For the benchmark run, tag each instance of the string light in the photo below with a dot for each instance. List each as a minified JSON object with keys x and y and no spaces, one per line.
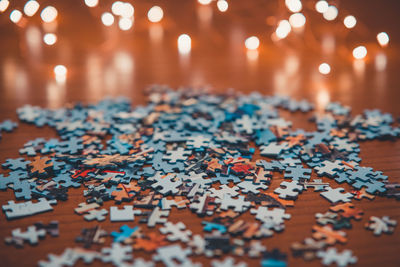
{"x":222,"y":5}
{"x":15,"y":16}
{"x":321,"y":6}
{"x":324,"y":68}
{"x":50,"y":38}
{"x":60,"y":72}
{"x":107,"y":18}
{"x":294,"y":5}
{"x":360,"y":52}
{"x":4,"y":5}
{"x":117,"y":8}
{"x":122,"y":9}
{"x":31,"y":7}
{"x":184,"y":44}
{"x":155,"y":14}
{"x":297,"y":20}
{"x":49,"y":14}
{"x":331,"y":13}
{"x":127,"y":10}
{"x":252,"y":43}
{"x":204,"y":2}
{"x":383,"y":38}
{"x":91,"y":3}
{"x":350,"y":22}
{"x":283,"y":29}
{"x":125,"y":23}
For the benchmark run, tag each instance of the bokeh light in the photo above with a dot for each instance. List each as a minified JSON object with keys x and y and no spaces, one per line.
{"x":60,"y":73}
{"x":125,"y":23}
{"x":127,"y":10}
{"x":283,"y":29}
{"x":297,"y":20}
{"x":117,"y":8}
{"x":184,"y":44}
{"x":50,"y":38}
{"x":350,"y":22}
{"x":60,"y":70}
{"x":31,"y":7}
{"x":49,"y":14}
{"x":4,"y":5}
{"x":91,"y":3}
{"x":107,"y":19}
{"x":321,"y":6}
{"x":360,"y":52}
{"x":15,"y":16}
{"x":252,"y":43}
{"x":222,"y":5}
{"x":155,"y":14}
{"x":331,"y":13}
{"x":324,"y":68}
{"x":383,"y":38}
{"x":205,"y":2}
{"x":294,"y":5}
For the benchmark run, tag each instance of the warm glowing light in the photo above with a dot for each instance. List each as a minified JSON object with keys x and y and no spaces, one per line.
{"x":91,"y":3}
{"x":383,"y":38}
{"x":360,"y":52}
{"x":331,"y":13}
{"x":283,"y":29}
{"x":107,"y":19}
{"x":297,"y":20}
{"x":117,"y":8}
{"x":50,"y":38}
{"x":4,"y":5}
{"x":380,"y":62}
{"x":323,"y":98}
{"x":350,"y":22}
{"x":222,"y":5}
{"x":205,"y":2}
{"x":31,"y":7}
{"x":156,"y":32}
{"x":252,"y":55}
{"x":127,"y":11}
{"x":15,"y":16}
{"x":294,"y":5}
{"x":125,"y":23}
{"x":321,"y":6}
{"x":60,"y":72}
{"x":252,"y":43}
{"x":184,"y":44}
{"x":49,"y":14}
{"x":155,"y":14}
{"x":34,"y":40}
{"x":324,"y":68}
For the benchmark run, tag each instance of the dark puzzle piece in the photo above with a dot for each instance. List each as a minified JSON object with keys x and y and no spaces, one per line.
{"x":90,"y":236}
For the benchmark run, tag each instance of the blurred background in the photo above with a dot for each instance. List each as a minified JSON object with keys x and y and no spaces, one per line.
{"x":54,"y":52}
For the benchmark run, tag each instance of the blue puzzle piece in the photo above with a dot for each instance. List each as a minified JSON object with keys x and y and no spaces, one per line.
{"x":124,"y":233}
{"x":8,"y":125}
{"x":16,"y":164}
{"x":210,"y":226}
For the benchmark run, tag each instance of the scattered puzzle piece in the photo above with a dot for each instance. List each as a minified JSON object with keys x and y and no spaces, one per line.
{"x":381,"y":225}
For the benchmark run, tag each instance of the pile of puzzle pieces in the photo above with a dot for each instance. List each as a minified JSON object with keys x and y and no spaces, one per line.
{"x":194,"y":150}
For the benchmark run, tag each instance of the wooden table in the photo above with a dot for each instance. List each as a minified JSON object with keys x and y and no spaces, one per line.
{"x":105,"y":61}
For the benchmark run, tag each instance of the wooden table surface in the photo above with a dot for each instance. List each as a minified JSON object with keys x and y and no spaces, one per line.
{"x":105,"y":61}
